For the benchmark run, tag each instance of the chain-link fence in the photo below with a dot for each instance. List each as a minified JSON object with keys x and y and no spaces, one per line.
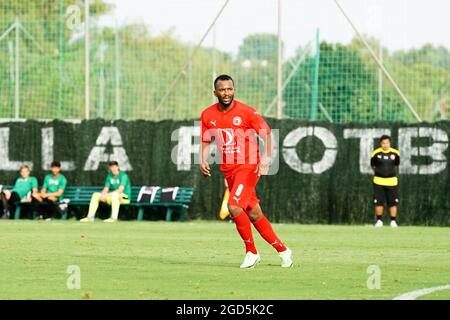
{"x":138,"y":72}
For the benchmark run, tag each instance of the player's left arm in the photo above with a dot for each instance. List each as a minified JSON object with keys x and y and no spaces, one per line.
{"x":264,"y":164}
{"x":34,"y":187}
{"x":56,"y":194}
{"x":60,"y":191}
{"x":258,"y":123}
{"x":397,"y":162}
{"x":119,"y":190}
{"x":123,"y":183}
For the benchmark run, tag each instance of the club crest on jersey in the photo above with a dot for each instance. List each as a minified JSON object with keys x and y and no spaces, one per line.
{"x":392,"y":156}
{"x":237,"y":121}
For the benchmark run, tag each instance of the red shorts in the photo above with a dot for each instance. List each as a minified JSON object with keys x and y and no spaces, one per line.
{"x":242,"y":185}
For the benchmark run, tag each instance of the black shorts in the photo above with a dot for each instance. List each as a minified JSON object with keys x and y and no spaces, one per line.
{"x":14,"y":198}
{"x":385,"y":194}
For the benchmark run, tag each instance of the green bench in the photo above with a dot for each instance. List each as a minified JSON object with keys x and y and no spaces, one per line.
{"x":81,"y":196}
{"x":181,"y":203}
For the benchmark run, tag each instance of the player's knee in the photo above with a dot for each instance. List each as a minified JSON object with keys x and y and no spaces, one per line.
{"x":254,"y":215}
{"x":115,"y":196}
{"x":234,"y":210}
{"x":96,"y":195}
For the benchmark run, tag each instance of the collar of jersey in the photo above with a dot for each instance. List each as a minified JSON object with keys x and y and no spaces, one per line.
{"x":382,"y":150}
{"x":232,"y":107}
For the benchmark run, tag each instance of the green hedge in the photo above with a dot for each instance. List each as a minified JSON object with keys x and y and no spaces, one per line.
{"x":341,"y":194}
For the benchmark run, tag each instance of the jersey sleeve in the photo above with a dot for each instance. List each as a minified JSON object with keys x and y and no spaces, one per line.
{"x":124,"y":180}
{"x":258,"y":123}
{"x":63,"y":183}
{"x":34,"y":183}
{"x":373,"y":161}
{"x":45,"y":184}
{"x":397,"y":160}
{"x":204,"y":130}
{"x":107,"y":182}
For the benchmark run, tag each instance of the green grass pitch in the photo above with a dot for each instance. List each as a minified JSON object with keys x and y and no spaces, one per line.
{"x":200,"y":260}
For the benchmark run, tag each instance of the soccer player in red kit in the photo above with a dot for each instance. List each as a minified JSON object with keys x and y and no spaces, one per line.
{"x":234,"y":126}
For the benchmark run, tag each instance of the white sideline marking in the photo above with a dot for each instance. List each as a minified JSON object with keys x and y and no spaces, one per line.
{"x":418,"y":293}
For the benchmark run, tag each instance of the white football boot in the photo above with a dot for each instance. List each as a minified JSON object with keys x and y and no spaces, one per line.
{"x":286,"y":258}
{"x":250,"y":260}
{"x":394,"y":224}
{"x":379,"y":224}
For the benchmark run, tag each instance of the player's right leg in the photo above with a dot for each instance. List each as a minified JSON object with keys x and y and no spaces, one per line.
{"x":264,"y":227}
{"x":5,"y":206}
{"x":243,"y":226}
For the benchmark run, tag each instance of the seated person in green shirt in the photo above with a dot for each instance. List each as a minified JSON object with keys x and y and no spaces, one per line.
{"x":24,"y":189}
{"x":117,"y":191}
{"x":47,"y":201}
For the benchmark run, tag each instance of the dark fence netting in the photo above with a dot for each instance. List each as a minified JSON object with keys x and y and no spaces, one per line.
{"x":320,"y":173}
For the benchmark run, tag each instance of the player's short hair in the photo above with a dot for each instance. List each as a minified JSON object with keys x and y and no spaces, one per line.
{"x":24,"y":166}
{"x":55,"y":163}
{"x":385,"y":137}
{"x":223,"y":77}
{"x":113,"y":163}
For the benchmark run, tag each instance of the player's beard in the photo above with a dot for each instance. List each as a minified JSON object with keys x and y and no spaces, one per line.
{"x":226,"y":105}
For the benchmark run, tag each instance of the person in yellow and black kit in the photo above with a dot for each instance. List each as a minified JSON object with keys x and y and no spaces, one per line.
{"x":385,"y":162}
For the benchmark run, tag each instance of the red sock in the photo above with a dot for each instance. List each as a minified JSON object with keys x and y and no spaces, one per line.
{"x":244,"y":227}
{"x":265,"y":230}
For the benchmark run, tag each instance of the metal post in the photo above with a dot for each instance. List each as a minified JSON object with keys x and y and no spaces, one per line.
{"x":279,"y":67}
{"x":190,"y":67}
{"x":60,"y":59}
{"x":214,"y":60}
{"x":101,"y":81}
{"x":380,"y":86}
{"x":117,"y":54}
{"x":17,"y":80}
{"x":292,"y":73}
{"x":315,"y":84}
{"x":86,"y":60}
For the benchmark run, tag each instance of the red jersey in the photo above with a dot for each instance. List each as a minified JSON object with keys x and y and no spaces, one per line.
{"x":234,"y":132}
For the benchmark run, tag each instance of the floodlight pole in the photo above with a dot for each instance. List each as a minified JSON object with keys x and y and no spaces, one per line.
{"x":380,"y":86}
{"x":214,"y":60}
{"x":86,"y":60}
{"x":117,"y":72}
{"x":17,"y":73}
{"x":280,"y":66}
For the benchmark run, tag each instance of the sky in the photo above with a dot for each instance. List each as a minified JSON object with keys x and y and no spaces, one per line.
{"x":398,"y":24}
